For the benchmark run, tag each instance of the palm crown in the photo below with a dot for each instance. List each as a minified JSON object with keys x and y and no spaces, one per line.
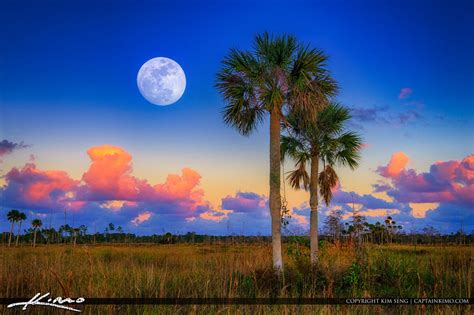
{"x":325,"y":136}
{"x":13,"y":215}
{"x":278,"y":72}
{"x":36,"y":223}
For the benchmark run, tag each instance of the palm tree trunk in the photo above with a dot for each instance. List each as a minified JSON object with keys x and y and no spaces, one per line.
{"x":34,"y":239}
{"x":10,"y":237}
{"x":18,"y":235}
{"x":275,"y":198}
{"x":313,"y":203}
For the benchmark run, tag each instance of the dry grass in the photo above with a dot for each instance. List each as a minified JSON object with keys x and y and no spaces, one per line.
{"x":236,"y":271}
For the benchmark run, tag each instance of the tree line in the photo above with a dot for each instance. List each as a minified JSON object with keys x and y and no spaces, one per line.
{"x":358,"y":229}
{"x":334,"y":230}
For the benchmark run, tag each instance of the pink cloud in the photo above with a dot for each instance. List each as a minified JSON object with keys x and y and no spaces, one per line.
{"x":110,"y":178}
{"x":142,"y":217}
{"x":109,"y":175}
{"x":244,"y":202}
{"x":109,"y":184}
{"x":32,"y":187}
{"x":178,"y":187}
{"x":299,"y":218}
{"x":397,"y":163}
{"x":116,"y":205}
{"x":449,"y":181}
{"x":405,"y":93}
{"x":216,"y":216}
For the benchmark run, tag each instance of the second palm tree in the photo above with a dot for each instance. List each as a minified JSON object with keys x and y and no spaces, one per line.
{"x":311,"y":141}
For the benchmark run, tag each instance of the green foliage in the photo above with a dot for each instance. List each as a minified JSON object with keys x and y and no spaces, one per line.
{"x":247,"y":287}
{"x":13,"y":215}
{"x":36,"y":223}
{"x":294,"y":250}
{"x":279,"y":72}
{"x":323,"y":138}
{"x":322,"y":244}
{"x":353,"y":277}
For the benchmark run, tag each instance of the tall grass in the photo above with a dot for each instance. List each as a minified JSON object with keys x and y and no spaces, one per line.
{"x":236,"y":271}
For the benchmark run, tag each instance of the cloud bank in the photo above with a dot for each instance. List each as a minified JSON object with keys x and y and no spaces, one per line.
{"x":106,"y":188}
{"x":109,"y":192}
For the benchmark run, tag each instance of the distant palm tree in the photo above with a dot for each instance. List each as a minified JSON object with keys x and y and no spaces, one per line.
{"x":12,"y":216}
{"x":322,"y":139}
{"x":36,"y":224}
{"x":21,"y":217}
{"x":279,"y":74}
{"x":168,"y":237}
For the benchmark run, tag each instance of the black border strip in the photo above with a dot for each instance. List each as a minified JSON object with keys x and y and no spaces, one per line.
{"x":260,"y":301}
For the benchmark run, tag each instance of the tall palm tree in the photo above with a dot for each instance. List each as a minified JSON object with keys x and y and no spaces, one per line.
{"x":279,"y":74}
{"x":12,"y":216}
{"x":21,"y":217}
{"x":36,"y":224}
{"x":325,"y":140}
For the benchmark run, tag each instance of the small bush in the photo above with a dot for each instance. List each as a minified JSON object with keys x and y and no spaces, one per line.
{"x":353,"y":276}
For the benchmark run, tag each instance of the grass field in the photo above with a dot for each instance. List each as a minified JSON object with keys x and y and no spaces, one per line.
{"x":237,"y":271}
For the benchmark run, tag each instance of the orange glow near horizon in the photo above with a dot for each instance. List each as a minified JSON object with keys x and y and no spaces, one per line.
{"x":419,"y":209}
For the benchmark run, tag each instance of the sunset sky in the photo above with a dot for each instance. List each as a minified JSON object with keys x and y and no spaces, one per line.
{"x":76,"y":135}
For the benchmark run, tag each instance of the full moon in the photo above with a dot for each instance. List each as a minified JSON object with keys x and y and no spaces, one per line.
{"x":161,"y":81}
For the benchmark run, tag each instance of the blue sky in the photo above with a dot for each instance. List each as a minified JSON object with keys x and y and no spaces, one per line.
{"x":68,"y":83}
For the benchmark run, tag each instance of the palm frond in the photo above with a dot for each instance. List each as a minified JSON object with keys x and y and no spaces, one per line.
{"x":242,"y":117}
{"x":311,"y":83}
{"x":299,"y":177}
{"x":238,"y":82}
{"x":276,"y":51}
{"x":328,"y":180}
{"x":349,"y":155}
{"x":293,"y":148}
{"x":13,"y":215}
{"x":331,"y":120}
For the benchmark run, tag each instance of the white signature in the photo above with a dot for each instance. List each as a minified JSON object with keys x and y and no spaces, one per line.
{"x":57,"y":302}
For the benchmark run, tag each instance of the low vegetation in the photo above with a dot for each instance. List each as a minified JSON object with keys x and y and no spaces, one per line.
{"x":238,"y":270}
